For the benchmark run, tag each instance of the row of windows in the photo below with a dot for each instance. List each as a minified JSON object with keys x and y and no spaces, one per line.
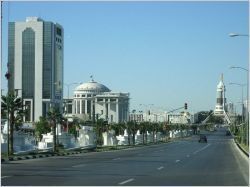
{"x":28,"y":66}
{"x":47,"y":60}
{"x":58,"y":40}
{"x":59,"y":47}
{"x":88,"y":95}
{"x":99,"y":99}
{"x":59,"y":31}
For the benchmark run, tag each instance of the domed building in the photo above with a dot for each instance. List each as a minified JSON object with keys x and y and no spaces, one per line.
{"x":92,"y":101}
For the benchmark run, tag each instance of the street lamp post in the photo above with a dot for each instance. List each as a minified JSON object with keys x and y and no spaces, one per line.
{"x":242,"y":100}
{"x":247,"y":116}
{"x":247,"y":70}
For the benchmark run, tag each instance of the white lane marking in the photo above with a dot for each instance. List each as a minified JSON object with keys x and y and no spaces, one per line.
{"x":160,"y":168}
{"x":188,"y":155}
{"x":126,"y":181}
{"x":116,"y":158}
{"x":78,"y":166}
{"x":201,"y":149}
{"x":5,"y":177}
{"x":177,"y":161}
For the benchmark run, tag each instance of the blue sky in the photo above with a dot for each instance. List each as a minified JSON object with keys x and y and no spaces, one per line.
{"x":162,"y":53}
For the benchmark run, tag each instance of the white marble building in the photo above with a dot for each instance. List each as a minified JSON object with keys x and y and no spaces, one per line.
{"x":181,"y":118}
{"x":93,"y":101}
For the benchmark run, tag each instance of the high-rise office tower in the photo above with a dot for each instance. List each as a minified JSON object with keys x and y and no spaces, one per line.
{"x":35,"y":64}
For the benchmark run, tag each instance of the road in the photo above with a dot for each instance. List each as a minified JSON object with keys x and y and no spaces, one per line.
{"x":180,"y":163}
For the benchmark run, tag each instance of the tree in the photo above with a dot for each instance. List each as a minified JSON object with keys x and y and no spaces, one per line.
{"x":132,"y":129}
{"x":41,"y":127}
{"x":155,"y":129}
{"x":54,"y":116}
{"x":12,"y":107}
{"x":99,"y":127}
{"x":164,"y":129}
{"x":203,"y":115}
{"x":73,"y":126}
{"x":143,"y":130}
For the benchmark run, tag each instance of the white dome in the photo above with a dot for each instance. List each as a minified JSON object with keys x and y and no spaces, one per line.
{"x":92,"y":86}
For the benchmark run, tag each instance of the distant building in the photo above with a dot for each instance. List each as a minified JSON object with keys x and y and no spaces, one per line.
{"x":230,"y":108}
{"x":35,"y":64}
{"x":181,"y":118}
{"x":136,"y":117}
{"x":94,"y":101}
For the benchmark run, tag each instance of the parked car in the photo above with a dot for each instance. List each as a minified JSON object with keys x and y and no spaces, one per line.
{"x":203,"y":138}
{"x":228,"y":133}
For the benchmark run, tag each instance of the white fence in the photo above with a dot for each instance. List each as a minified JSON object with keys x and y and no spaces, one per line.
{"x":85,"y":138}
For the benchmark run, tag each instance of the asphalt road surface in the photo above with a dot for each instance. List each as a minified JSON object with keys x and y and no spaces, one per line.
{"x":180,"y":163}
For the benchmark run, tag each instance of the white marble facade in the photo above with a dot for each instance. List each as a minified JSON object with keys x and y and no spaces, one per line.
{"x":94,"y":101}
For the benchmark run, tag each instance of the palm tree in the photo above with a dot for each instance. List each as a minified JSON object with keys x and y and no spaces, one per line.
{"x":132,"y":129}
{"x":54,"y":116}
{"x":155,"y":128}
{"x":73,"y":126}
{"x":143,"y":130}
{"x":14,"y":108}
{"x":100,"y":126}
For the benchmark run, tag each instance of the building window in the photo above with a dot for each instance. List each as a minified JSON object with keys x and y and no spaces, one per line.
{"x":99,"y":99}
{"x":28,"y":109}
{"x":70,"y":109}
{"x":59,"y":31}
{"x":83,"y":106}
{"x":88,"y":107}
{"x":28,"y":65}
{"x":78,"y":107}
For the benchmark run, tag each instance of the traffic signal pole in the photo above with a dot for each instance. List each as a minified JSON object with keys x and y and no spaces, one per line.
{"x":185,"y":107}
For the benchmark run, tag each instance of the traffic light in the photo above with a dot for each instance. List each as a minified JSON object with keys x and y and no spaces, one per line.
{"x":185,"y":106}
{"x":149,"y":112}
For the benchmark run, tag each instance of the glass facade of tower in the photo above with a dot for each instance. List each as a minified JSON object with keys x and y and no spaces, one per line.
{"x":47,"y":59}
{"x":35,"y":64}
{"x":58,"y":63}
{"x":28,"y":63}
{"x":11,"y":56}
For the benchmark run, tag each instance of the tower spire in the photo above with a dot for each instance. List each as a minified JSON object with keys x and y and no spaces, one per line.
{"x":221,"y":77}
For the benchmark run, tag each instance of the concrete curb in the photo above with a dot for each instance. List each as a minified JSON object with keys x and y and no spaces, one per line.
{"x":26,"y":157}
{"x":245,"y":152}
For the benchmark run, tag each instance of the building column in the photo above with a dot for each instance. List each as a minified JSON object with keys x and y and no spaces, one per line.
{"x":75,"y":105}
{"x":109,"y":116}
{"x":80,"y":106}
{"x":117,"y":110}
{"x":86,"y":102}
